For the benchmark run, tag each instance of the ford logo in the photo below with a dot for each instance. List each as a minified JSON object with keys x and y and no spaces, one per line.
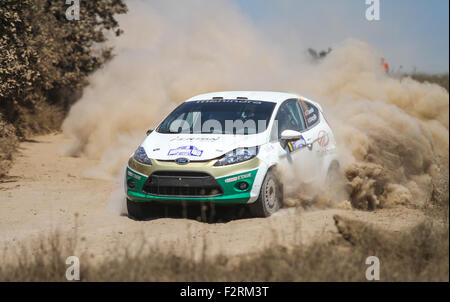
{"x":182,"y":160}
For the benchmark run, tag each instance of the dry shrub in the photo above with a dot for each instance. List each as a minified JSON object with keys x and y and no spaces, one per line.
{"x":45,"y":61}
{"x":420,"y":254}
{"x":8,"y":143}
{"x":44,"y":259}
{"x":440,"y":79}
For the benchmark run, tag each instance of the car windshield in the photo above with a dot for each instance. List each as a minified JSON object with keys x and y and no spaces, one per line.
{"x":219,"y":117}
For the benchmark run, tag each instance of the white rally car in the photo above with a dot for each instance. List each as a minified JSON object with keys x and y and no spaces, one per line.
{"x":231,"y":148}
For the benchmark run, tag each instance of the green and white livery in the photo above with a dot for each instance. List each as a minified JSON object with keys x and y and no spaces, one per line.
{"x":230,"y":148}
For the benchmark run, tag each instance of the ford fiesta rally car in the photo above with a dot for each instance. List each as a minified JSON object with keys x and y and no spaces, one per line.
{"x":229,"y":148}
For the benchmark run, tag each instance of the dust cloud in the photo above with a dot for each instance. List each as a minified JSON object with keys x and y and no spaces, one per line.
{"x":392,"y":133}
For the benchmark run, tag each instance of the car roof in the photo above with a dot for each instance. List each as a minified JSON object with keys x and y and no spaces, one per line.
{"x":267,"y":96}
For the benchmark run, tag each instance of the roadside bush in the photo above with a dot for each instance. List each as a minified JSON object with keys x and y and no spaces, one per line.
{"x":45,"y":59}
{"x":420,"y":254}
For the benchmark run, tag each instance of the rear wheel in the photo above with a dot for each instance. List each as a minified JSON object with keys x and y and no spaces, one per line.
{"x":270,"y":196}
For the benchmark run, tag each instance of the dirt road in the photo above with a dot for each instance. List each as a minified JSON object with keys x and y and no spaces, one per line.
{"x":46,"y":191}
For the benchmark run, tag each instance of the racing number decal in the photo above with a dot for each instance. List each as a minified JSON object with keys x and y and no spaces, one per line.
{"x":323,"y":139}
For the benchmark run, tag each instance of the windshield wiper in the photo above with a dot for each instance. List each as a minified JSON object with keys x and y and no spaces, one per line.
{"x":168,"y":131}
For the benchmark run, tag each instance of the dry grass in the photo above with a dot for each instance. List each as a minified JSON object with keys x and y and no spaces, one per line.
{"x":421,"y":254}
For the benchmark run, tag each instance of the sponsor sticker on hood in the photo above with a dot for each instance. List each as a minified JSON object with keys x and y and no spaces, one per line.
{"x":186,"y":151}
{"x":197,"y":147}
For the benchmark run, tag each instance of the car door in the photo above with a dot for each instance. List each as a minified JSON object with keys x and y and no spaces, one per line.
{"x":319,"y":137}
{"x":295,"y":157}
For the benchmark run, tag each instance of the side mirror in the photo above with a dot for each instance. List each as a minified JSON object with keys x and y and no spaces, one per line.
{"x":149,"y":131}
{"x":290,"y":135}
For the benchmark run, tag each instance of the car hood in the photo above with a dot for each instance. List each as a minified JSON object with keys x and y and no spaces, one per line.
{"x":197,"y":147}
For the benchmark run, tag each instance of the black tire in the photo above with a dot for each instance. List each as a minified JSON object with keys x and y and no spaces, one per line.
{"x":269,"y":199}
{"x":136,"y":210}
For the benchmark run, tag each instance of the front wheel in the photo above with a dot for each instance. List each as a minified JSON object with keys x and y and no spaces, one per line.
{"x":270,"y":196}
{"x":136,"y":210}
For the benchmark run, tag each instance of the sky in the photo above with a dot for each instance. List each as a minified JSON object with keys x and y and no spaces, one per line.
{"x":411,"y":34}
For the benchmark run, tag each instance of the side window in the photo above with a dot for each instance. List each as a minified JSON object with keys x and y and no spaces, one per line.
{"x":301,"y":118}
{"x":289,"y":117}
{"x":311,"y":113}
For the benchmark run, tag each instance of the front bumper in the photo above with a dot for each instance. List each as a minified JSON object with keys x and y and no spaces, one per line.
{"x":226,"y":177}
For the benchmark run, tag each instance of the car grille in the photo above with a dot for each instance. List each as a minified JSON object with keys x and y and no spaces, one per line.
{"x":182,"y":183}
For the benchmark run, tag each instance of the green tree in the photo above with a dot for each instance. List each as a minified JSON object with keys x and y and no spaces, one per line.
{"x":45,"y":59}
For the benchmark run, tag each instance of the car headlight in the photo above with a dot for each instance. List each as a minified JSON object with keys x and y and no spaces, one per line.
{"x":237,"y":155}
{"x":141,"y":156}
